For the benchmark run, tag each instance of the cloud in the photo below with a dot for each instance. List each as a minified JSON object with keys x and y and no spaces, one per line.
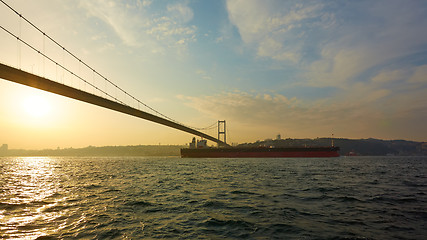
{"x":117,"y":16}
{"x":144,"y":3}
{"x":274,"y":28}
{"x":384,"y":37}
{"x":272,"y":112}
{"x":219,"y":39}
{"x":138,"y":24}
{"x":255,"y":19}
{"x":203,"y":74}
{"x":274,"y":49}
{"x":333,"y":44}
{"x":338,"y":67}
{"x":420,"y":75}
{"x":389,"y":76}
{"x":181,"y":12}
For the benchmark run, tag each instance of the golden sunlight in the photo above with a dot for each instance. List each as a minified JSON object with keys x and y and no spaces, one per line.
{"x":36,"y":106}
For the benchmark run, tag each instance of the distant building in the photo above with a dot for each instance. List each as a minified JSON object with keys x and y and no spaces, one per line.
{"x":3,"y":149}
{"x":278,"y":137}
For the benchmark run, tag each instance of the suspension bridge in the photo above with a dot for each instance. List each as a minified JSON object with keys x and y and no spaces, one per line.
{"x":98,"y":96}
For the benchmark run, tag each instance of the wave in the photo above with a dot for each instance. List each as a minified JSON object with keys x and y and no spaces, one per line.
{"x":13,"y":206}
{"x":347,"y":199}
{"x":384,"y":199}
{"x":243,"y":192}
{"x":228,"y":228}
{"x":213,"y":204}
{"x":111,"y":191}
{"x":139,"y":203}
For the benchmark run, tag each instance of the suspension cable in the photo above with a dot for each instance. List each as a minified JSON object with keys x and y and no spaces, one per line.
{"x":58,"y":64}
{"x":89,"y":67}
{"x":85,"y":64}
{"x":214,"y":125}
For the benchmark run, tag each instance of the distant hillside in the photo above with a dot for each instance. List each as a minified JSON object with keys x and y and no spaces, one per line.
{"x":139,"y":150}
{"x":365,"y":147}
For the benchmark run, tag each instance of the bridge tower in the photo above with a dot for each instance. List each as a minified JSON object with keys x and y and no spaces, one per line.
{"x":221,"y":131}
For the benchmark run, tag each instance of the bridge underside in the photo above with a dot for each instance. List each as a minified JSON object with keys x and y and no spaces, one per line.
{"x":31,"y":80}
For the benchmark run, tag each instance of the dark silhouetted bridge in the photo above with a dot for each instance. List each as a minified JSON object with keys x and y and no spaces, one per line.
{"x":15,"y":74}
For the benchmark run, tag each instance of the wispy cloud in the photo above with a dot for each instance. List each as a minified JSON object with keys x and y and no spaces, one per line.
{"x":118,"y":16}
{"x":181,"y":12}
{"x":334,"y":43}
{"x":274,"y":112}
{"x":374,"y":53}
{"x":203,"y":74}
{"x":138,"y":24}
{"x":272,"y":29}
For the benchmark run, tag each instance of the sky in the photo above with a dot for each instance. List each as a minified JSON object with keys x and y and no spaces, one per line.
{"x":301,"y":69}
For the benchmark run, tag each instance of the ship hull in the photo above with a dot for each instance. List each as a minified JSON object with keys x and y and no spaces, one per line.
{"x":299,"y":152}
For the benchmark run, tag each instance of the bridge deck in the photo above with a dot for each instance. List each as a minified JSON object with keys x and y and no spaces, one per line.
{"x":31,"y":80}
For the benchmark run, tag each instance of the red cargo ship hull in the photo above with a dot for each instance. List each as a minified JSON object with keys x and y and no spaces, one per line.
{"x":295,"y":152}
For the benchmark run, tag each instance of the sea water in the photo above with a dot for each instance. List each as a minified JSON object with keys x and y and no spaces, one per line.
{"x":152,"y":197}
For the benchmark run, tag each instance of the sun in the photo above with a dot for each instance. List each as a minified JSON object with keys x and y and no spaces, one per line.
{"x":36,"y":106}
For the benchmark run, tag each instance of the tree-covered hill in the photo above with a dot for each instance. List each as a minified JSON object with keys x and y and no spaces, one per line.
{"x":366,"y":147}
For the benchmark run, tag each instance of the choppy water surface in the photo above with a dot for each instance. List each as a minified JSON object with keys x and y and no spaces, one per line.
{"x":354,"y":198}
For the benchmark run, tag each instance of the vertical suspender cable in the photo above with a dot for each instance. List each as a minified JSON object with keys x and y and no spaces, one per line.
{"x":19,"y":44}
{"x":44,"y":52}
{"x":117,"y":88}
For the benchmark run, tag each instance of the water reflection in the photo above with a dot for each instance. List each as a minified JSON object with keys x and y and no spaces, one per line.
{"x":28,"y":186}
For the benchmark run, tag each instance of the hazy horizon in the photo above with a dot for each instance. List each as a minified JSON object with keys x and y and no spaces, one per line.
{"x":184,"y":144}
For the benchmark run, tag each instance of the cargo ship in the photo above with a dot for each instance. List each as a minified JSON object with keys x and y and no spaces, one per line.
{"x":200,"y":149}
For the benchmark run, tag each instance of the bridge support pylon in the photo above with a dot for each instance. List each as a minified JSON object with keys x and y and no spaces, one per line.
{"x":222,"y":132}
